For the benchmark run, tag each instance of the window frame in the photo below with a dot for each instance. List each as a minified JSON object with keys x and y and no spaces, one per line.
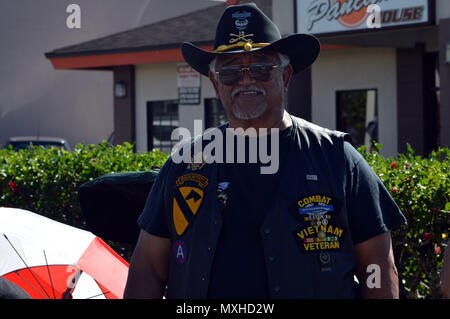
{"x":151,"y":126}
{"x":339,"y":109}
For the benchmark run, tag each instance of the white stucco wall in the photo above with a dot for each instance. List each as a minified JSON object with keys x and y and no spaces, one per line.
{"x":283,"y":16}
{"x":352,"y":69}
{"x":158,"y":81}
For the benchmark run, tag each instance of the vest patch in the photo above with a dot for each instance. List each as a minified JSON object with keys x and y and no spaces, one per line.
{"x":314,"y":201}
{"x":318,"y":233}
{"x":187,"y":198}
{"x":201,"y":180}
{"x":319,"y":238}
{"x":197,"y":162}
{"x":180,"y":251}
{"x":315,"y":209}
{"x":222,"y":194}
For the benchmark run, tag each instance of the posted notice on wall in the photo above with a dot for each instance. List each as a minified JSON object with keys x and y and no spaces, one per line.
{"x":188,"y":82}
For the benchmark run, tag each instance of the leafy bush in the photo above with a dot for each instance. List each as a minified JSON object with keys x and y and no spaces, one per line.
{"x":45,"y":181}
{"x":421,"y":188}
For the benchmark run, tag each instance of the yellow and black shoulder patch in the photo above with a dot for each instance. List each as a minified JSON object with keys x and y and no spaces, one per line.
{"x":187,"y":199}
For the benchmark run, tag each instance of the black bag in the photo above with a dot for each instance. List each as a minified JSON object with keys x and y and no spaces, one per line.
{"x":112,"y":203}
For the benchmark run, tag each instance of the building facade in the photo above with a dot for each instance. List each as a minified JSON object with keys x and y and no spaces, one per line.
{"x":389,"y":84}
{"x":35,"y":99}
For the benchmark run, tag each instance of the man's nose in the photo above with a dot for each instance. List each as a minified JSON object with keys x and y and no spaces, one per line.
{"x":246,"y":77}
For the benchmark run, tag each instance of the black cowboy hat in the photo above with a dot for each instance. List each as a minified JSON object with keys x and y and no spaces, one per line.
{"x":245,"y":28}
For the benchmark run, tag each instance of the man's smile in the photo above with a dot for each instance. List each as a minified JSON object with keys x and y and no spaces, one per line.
{"x":245,"y":92}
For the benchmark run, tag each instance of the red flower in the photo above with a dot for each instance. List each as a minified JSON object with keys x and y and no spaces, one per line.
{"x":394,"y":190}
{"x":393,"y":165}
{"x":13,"y":187}
{"x":428,"y":236}
{"x":437,"y":250}
{"x":436,"y":209}
{"x":408,"y":179}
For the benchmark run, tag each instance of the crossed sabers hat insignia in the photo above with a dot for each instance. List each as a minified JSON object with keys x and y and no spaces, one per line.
{"x":241,"y":36}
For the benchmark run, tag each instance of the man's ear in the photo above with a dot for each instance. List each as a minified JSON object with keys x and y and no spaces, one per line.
{"x":287,"y":75}
{"x":213,"y":80}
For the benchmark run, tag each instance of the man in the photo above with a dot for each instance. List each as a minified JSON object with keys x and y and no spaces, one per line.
{"x":224,"y":230}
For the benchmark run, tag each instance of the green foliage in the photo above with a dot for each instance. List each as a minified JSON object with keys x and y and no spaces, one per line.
{"x":45,"y":180}
{"x":421,"y":188}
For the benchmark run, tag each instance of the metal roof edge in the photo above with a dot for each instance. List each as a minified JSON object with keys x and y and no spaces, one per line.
{"x":52,"y":54}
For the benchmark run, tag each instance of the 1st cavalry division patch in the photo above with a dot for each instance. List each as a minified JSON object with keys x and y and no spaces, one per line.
{"x":187,"y":199}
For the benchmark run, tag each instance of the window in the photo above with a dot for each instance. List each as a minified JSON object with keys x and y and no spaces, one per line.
{"x":162,"y":119}
{"x":215,"y":114}
{"x":357,"y":114}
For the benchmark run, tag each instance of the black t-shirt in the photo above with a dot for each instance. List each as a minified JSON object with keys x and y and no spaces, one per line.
{"x":238,"y":269}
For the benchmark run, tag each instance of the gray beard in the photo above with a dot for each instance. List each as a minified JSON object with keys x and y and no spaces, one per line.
{"x":249,"y":114}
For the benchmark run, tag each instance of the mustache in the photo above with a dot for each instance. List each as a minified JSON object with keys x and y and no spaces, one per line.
{"x":241,"y":88}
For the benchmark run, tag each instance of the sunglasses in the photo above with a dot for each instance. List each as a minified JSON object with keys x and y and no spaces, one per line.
{"x":229,"y":75}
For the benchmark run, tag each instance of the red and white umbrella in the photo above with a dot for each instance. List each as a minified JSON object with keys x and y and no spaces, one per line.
{"x":51,"y":260}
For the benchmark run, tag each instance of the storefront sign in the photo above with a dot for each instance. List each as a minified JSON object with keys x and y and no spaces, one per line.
{"x":332,"y":16}
{"x":188,"y":82}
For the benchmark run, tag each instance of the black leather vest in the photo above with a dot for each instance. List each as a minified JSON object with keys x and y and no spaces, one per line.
{"x":306,"y":237}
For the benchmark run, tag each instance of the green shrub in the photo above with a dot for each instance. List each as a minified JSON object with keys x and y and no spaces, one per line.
{"x":421,"y":188}
{"x":45,"y":181}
